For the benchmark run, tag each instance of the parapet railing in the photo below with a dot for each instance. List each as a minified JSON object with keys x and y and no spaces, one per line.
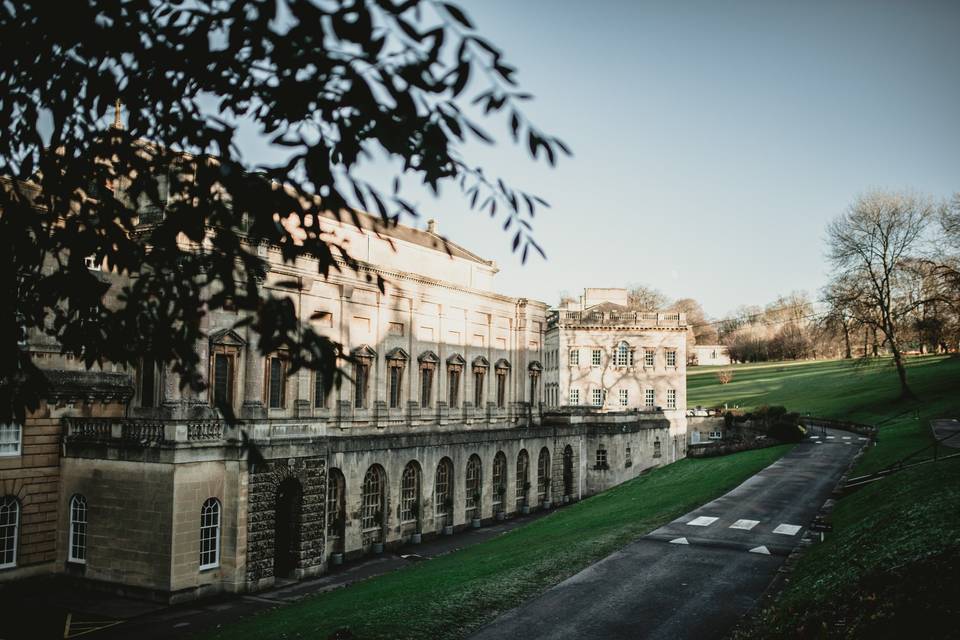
{"x":632,"y":318}
{"x":143,"y":431}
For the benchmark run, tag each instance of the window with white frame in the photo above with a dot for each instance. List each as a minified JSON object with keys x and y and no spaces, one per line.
{"x":9,"y":530}
{"x":574,"y":356}
{"x":78,"y":530}
{"x":648,"y":357}
{"x":716,"y":435}
{"x":574,"y":396}
{"x":649,"y":398}
{"x":10,"y":437}
{"x":597,"y":397}
{"x":595,"y":358}
{"x":623,"y":396}
{"x":671,"y":398}
{"x":671,"y":358}
{"x":210,"y":534}
{"x":622,"y":358}
{"x":601,"y":458}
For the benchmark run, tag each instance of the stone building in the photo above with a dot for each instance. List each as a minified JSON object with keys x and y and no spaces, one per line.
{"x":445,"y":421}
{"x":601,"y":354}
{"x":710,"y":354}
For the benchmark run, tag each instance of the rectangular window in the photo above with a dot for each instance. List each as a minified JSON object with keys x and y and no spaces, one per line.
{"x":574,"y":356}
{"x":602,"y":458}
{"x":671,"y":398}
{"x":276,"y":383}
{"x":574,"y":396}
{"x":648,"y":357}
{"x":396,"y":380}
{"x":656,"y":449}
{"x":454,"y":381}
{"x":148,"y":382}
{"x":426,"y":386}
{"x":501,"y":389}
{"x":319,"y":393}
{"x":624,"y":397}
{"x":395,"y":329}
{"x":478,"y":397}
{"x":595,"y":358}
{"x":671,"y":358}
{"x":10,"y":437}
{"x":597,"y":397}
{"x":649,"y":398}
{"x":361,"y":378}
{"x":628,"y":458}
{"x":221,"y":379}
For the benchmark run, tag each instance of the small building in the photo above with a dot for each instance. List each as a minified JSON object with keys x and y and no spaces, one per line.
{"x":704,"y":354}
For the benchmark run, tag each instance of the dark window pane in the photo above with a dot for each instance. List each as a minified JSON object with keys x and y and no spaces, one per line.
{"x":319,"y":395}
{"x":147,"y":383}
{"x":276,"y":383}
{"x":221,"y":379}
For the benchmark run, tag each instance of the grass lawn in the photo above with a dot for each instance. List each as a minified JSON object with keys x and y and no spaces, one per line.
{"x":889,"y":569}
{"x":449,"y":596}
{"x":844,"y":389}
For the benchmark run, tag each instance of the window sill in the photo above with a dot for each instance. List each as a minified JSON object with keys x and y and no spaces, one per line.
{"x":209,"y":567}
{"x":11,"y":455}
{"x":81,"y":563}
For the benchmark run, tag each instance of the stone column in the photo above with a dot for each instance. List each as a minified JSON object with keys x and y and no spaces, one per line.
{"x":253,"y":386}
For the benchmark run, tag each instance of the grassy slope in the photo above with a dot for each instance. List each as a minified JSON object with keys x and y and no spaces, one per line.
{"x":451,"y":595}
{"x":889,"y":569}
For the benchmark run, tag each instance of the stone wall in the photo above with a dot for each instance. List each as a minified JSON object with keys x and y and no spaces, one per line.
{"x":264,"y":483}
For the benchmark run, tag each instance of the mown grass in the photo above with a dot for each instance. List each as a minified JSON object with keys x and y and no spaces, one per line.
{"x":451,"y":595}
{"x":889,"y":569}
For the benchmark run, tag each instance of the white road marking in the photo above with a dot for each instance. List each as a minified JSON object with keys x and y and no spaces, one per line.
{"x":861,"y":438}
{"x":846,"y":437}
{"x":787,"y":529}
{"x":819,"y":442}
{"x":702,"y":521}
{"x":679,"y":541}
{"x":761,"y":549}
{"x":814,"y":437}
{"x":831,"y":437}
{"x":745,"y":525}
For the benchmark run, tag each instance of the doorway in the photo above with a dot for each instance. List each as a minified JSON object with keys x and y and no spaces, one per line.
{"x":286,"y":535}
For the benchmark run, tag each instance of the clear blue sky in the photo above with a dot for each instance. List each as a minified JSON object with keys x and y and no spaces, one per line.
{"x":713,"y":140}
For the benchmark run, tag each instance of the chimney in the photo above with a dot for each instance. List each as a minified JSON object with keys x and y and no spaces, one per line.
{"x":432,"y":226}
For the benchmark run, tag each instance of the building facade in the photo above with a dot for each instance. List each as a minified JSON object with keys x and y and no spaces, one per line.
{"x":710,"y":354}
{"x":444,"y":420}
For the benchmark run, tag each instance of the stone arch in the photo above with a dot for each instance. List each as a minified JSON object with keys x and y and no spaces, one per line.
{"x":443,"y":491}
{"x":523,"y":478}
{"x":568,"y":488}
{"x":473,"y":483}
{"x":499,"y":477}
{"x":410,"y":504}
{"x":543,"y":475}
{"x":336,"y":509}
{"x":373,"y":504}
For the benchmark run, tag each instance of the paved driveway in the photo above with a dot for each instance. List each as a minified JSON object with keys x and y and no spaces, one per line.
{"x":696,"y":576}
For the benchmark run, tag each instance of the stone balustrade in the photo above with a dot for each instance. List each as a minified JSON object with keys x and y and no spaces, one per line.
{"x":616,"y":318}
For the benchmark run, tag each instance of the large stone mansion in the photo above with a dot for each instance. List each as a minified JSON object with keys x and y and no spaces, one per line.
{"x":464,"y":405}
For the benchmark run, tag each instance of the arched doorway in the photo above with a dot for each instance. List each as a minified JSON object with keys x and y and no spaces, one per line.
{"x":543,"y":475}
{"x":286,"y":533}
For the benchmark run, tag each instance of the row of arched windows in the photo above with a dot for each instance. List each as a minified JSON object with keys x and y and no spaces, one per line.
{"x":373,"y":499}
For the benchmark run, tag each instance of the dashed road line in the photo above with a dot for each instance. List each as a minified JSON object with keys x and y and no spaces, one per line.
{"x":702,"y":521}
{"x":831,"y":437}
{"x":787,"y":529}
{"x":744,"y":525}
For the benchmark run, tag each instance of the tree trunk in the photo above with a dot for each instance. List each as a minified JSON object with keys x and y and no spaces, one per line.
{"x":846,"y":343}
{"x":905,"y":392}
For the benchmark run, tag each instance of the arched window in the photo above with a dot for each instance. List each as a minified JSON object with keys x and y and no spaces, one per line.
{"x":78,"y":530}
{"x":499,"y":481}
{"x":336,"y":498}
{"x":543,"y":475}
{"x":442,"y":493}
{"x":410,"y":493}
{"x":624,"y":355}
{"x":9,"y":531}
{"x":523,"y":477}
{"x":568,"y":470}
{"x":372,"y":504}
{"x":474,"y":484}
{"x":210,"y":534}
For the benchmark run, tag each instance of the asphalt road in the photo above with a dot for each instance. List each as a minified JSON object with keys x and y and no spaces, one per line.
{"x":696,"y":576}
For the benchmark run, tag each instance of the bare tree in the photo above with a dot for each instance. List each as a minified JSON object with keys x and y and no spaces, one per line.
{"x":644,"y":298}
{"x":869,"y":247}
